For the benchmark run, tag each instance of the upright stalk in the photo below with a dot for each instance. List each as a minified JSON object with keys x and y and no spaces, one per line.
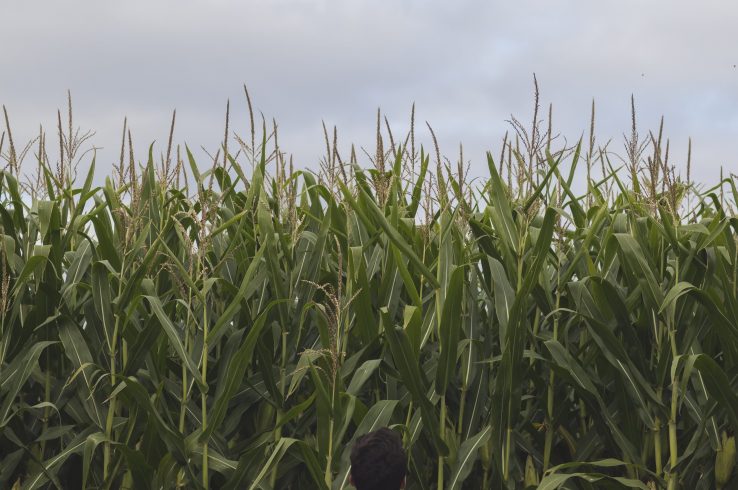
{"x":462,"y":403}
{"x":47,"y":399}
{"x":673,"y":445}
{"x":181,"y":481}
{"x":204,"y":396}
{"x":328,"y":476}
{"x":113,"y":372}
{"x":280,"y":411}
{"x":188,"y":348}
{"x":673,"y":448}
{"x":548,"y":443}
{"x":442,"y":429}
{"x":508,"y":430}
{"x":111,"y":406}
{"x":658,"y":464}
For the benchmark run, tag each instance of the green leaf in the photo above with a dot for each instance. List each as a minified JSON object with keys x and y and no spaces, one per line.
{"x":235,"y":304}
{"x":235,"y":373}
{"x":412,"y":377}
{"x":449,"y":329}
{"x":467,"y":456}
{"x":175,"y":340}
{"x":361,"y":375}
{"x":277,"y":454}
{"x":93,"y":440}
{"x":15,"y":377}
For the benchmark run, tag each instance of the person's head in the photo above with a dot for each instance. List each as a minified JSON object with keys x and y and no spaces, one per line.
{"x":378,"y":461}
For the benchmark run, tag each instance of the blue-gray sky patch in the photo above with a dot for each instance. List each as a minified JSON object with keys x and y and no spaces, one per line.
{"x":466,"y":64}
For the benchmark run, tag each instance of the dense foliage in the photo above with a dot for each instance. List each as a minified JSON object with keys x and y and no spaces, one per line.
{"x":239,"y":327}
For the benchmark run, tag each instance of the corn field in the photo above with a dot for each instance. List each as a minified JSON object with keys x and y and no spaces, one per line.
{"x":237,"y":323}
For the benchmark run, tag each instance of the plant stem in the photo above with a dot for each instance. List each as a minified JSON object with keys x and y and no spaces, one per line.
{"x":47,"y":399}
{"x":280,"y":411}
{"x":328,"y":476}
{"x":550,"y":398}
{"x":462,"y":403}
{"x":204,"y":397}
{"x":442,"y":427}
{"x":657,"y":447}
{"x":506,"y":455}
{"x":673,"y":445}
{"x":111,"y":407}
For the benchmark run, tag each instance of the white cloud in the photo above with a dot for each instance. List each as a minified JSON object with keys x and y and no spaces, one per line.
{"x":467,"y":65}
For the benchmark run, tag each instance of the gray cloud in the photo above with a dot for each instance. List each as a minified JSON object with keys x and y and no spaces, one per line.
{"x":466,"y":64}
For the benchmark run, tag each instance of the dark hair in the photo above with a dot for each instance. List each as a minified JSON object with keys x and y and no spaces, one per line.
{"x":378,"y":461}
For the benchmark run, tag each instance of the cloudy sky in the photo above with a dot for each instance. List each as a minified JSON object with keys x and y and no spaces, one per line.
{"x":466,"y":64}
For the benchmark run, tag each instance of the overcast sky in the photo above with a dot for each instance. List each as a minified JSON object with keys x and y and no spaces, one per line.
{"x":466,"y":64}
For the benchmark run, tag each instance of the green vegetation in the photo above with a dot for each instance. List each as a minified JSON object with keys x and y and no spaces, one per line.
{"x":238,"y":327}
